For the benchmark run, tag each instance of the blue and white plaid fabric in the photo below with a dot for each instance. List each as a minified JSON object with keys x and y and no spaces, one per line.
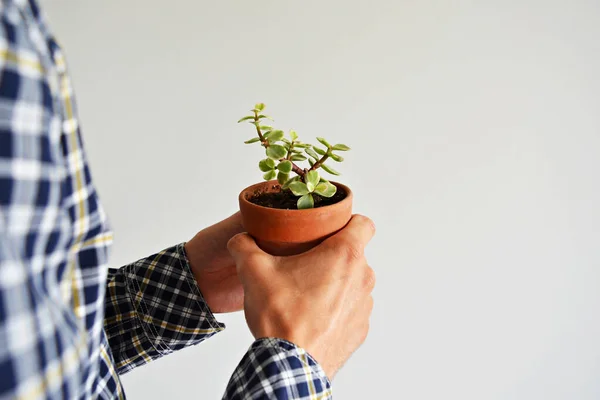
{"x":68,"y":324}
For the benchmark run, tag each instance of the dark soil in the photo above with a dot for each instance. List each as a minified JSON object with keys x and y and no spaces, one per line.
{"x":287,"y":201}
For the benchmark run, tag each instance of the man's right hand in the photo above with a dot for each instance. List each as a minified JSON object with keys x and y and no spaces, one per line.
{"x":319,"y":300}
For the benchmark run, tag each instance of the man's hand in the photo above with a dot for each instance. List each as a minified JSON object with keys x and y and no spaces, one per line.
{"x":213,"y":266}
{"x":319,"y":300}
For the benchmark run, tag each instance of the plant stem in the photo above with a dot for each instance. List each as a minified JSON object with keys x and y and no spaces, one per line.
{"x":299,"y":171}
{"x":319,"y":163}
{"x":302,"y":172}
{"x":289,"y":154}
{"x":262,"y":138}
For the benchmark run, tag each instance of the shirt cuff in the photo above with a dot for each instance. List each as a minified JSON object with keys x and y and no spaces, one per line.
{"x":195,"y":290}
{"x":168,"y":301}
{"x":278,"y":369}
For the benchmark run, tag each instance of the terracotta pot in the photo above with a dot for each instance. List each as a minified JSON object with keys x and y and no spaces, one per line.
{"x":288,"y":232}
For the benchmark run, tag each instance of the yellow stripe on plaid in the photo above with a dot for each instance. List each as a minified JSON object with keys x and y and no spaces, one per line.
{"x":149,"y":270}
{"x":9,"y":56}
{"x":179,"y":329}
{"x":119,"y":318}
{"x":308,"y":372}
{"x":140,"y":353}
{"x":78,"y":165}
{"x":111,"y":368}
{"x":104,"y":239}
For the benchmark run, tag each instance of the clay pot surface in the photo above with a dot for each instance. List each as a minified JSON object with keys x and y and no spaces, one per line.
{"x":287,"y":232}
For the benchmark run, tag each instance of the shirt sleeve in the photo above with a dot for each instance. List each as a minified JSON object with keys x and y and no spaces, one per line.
{"x":277,"y":369}
{"x":153,"y":307}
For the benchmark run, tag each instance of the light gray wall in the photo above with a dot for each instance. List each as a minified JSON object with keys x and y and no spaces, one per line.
{"x":476,"y":135}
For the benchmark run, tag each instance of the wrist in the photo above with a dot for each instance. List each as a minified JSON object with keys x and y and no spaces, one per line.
{"x":215,"y":273}
{"x":193,"y":251}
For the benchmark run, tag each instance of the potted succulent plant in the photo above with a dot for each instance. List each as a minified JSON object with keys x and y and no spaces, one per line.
{"x":295,"y":207}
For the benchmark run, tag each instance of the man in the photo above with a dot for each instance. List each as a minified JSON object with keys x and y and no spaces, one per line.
{"x":68,"y":329}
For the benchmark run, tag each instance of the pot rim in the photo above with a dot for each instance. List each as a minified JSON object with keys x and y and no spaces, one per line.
{"x":242,"y":199}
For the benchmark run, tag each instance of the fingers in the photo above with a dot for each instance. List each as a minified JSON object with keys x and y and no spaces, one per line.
{"x":360,"y":323}
{"x":360,"y":230}
{"x":367,"y":310}
{"x":369,"y":280}
{"x":235,"y":220}
{"x":352,"y":240}
{"x":224,"y":230}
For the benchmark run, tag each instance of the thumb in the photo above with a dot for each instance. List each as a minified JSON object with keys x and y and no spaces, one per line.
{"x":246,"y":253}
{"x":242,"y":245}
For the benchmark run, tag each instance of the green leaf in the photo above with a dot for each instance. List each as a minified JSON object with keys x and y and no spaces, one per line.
{"x":253,"y":140}
{"x":325,"y":189}
{"x":311,"y":162}
{"x":293,"y":134}
{"x":275,"y":136}
{"x":246,"y":118}
{"x":305,"y":202}
{"x":320,"y":151}
{"x":330,"y":170}
{"x":311,"y":153}
{"x":286,"y":141}
{"x":312,"y":180}
{"x":298,"y":188}
{"x":259,"y":106}
{"x":298,"y":157}
{"x":325,"y":142}
{"x":269,"y":175}
{"x":335,"y":157}
{"x":261,"y":116}
{"x":285,"y":167}
{"x":282,"y":178}
{"x":265,"y":128}
{"x":266,"y":165}
{"x":276,"y":152}
{"x":287,"y":184}
{"x":302,"y":145}
{"x":341,"y":147}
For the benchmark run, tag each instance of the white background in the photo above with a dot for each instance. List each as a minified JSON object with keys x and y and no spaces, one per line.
{"x":475,"y":128}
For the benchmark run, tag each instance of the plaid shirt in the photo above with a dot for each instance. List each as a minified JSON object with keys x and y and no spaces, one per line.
{"x":67,"y":327}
